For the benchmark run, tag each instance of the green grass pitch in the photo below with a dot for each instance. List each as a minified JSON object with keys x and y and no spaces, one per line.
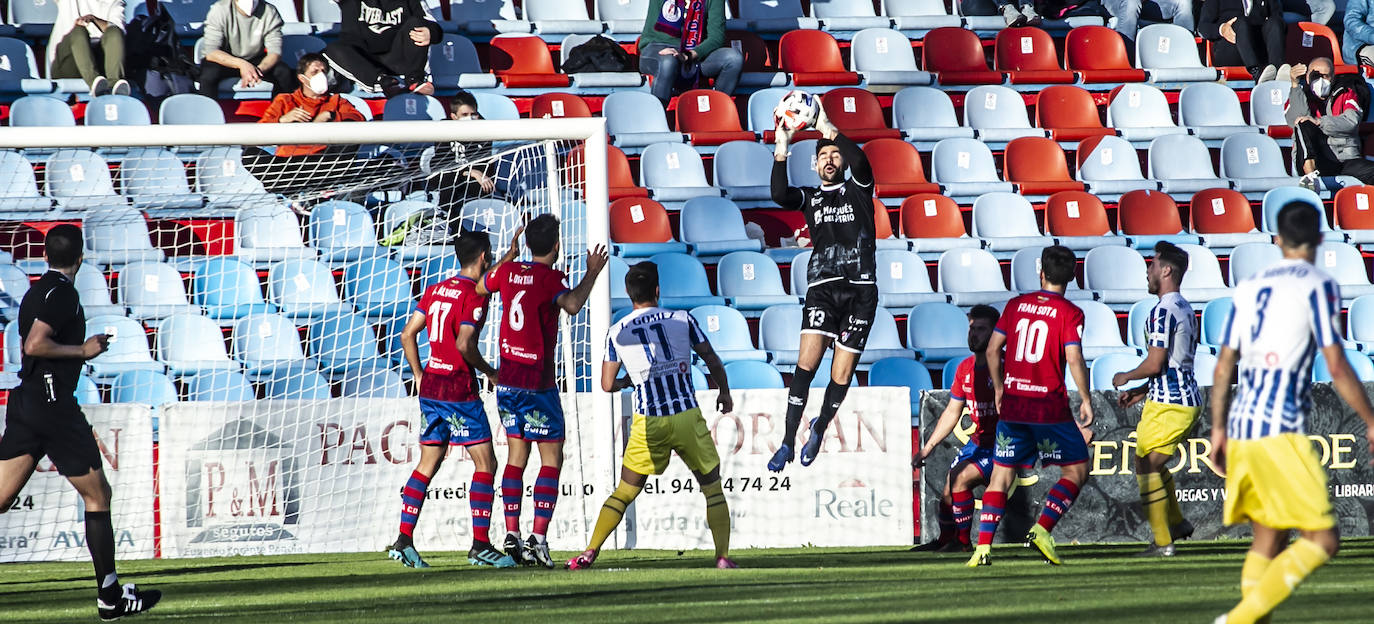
{"x":1095,"y":584}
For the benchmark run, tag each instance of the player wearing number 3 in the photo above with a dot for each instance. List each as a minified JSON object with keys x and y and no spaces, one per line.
{"x":656,"y":345}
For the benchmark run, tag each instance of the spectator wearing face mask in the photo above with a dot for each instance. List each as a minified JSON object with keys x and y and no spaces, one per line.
{"x":1325,"y":111}
{"x":243,"y":37}
{"x":461,"y":171}
{"x":312,"y":102}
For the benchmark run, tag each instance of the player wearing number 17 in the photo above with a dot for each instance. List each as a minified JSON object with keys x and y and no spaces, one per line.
{"x":1042,"y":331}
{"x":1281,"y":317}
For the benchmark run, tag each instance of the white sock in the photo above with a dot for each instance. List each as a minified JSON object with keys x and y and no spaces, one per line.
{"x":110,"y":579}
{"x":540,"y":539}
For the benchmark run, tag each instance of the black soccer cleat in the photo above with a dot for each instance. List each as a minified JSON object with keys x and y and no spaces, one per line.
{"x":517,"y":550}
{"x":812,"y":448}
{"x":133,"y":602}
{"x":538,"y":552}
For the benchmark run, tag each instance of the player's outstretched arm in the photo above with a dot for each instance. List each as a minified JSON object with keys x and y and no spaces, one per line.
{"x":724,"y":402}
{"x":1222,"y":379}
{"x":467,"y":346}
{"x":1156,"y":359}
{"x":860,"y":171}
{"x":948,"y":420}
{"x":410,"y":344}
{"x":41,"y":345}
{"x":994,"y":354}
{"x":783,"y":195}
{"x":511,"y":254}
{"x":573,"y":300}
{"x":1348,"y":385}
{"x":1078,"y":367}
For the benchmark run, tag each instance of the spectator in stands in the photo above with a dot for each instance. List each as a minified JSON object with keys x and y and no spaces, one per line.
{"x":461,"y":171}
{"x":385,"y":47}
{"x":1325,"y":110}
{"x":1359,"y":33}
{"x":1022,"y":15}
{"x":1249,"y":33}
{"x":312,"y":102}
{"x":86,"y":36}
{"x":1319,"y":11}
{"x":244,"y":36}
{"x":683,"y":42}
{"x":1129,"y":12}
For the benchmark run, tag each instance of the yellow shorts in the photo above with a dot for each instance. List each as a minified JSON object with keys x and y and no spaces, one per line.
{"x":653,"y":439}
{"x":1278,"y":482}
{"x":1162,"y":426}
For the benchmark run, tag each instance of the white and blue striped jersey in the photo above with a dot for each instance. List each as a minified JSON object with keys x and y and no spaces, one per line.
{"x":1280,"y":318}
{"x":1173,"y":328}
{"x":655,"y":346}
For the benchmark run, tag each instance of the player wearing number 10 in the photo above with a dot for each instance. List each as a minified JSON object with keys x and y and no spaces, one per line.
{"x":1042,"y":331}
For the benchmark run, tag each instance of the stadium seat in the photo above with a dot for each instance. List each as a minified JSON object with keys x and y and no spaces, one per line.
{"x":1247,"y":259}
{"x":971,"y":277}
{"x":154,"y":179}
{"x":118,"y":236}
{"x":306,"y":385}
{"x":903,"y":281}
{"x":392,"y":333}
{"x":304,"y":289}
{"x":915,"y":18}
{"x":857,"y":114}
{"x":1069,"y":113}
{"x":378,"y":287}
{"x":439,"y":268}
{"x":1351,"y":213}
{"x":640,"y":228}
{"x":728,"y":333}
{"x":523,"y":62}
{"x":1025,"y":275}
{"x":1037,"y":166}
{"x":1306,"y":41}
{"x":1107,"y":366}
{"x":933,"y":223}
{"x":674,"y":173}
{"x":1211,"y":111}
{"x":1111,"y":167}
{"x":751,"y":282}
{"x":1267,"y":103}
{"x":374,"y":384}
{"x":1359,"y":321}
{"x":620,"y":300}
{"x":94,"y":292}
{"x":682,"y":282}
{"x":228,"y":290}
{"x":897,"y":169}
{"x":1098,"y":55}
{"x":713,"y":227}
{"x":797,"y":272}
{"x":848,"y":16}
{"x":620,"y":181}
{"x":14,"y":284}
{"x":558,"y":17}
{"x":141,"y":386}
{"x":998,"y":114}
{"x":34,"y":18}
{"x":779,"y":334}
{"x":559,"y":106}
{"x":1183,"y":165}
{"x":14,"y":348}
{"x":1344,"y":263}
{"x":116,"y":110}
{"x":760,"y":115}
{"x":291,"y":24}
{"x":19,"y":71}
{"x":266,"y":343}
{"x":87,"y":393}
{"x":153,"y":291}
{"x":709,"y":117}
{"x":1254,"y":164}
{"x":599,"y":82}
{"x":902,"y":372}
{"x":1137,"y":320}
{"x":19,"y":196}
{"x":1276,"y":199}
{"x":1029,"y":57}
{"x":623,"y":17}
{"x":635,"y":119}
{"x":760,"y":62}
{"x":1006,"y":221}
{"x":1223,"y":218}
{"x":812,"y":57}
{"x":38,"y":110}
{"x":485,"y":18}
{"x":343,"y":344}
{"x":400,"y":213}
{"x":752,"y":375}
{"x":938,"y":332}
{"x":964,"y":169}
{"x":801,"y":164}
{"x":190,"y":344}
{"x":1148,"y":217}
{"x":128,"y":348}
{"x":925,"y":115}
{"x":956,"y":57}
{"x":742,"y":170}
{"x":1213,"y":323}
{"x":884,"y":341}
{"x":1117,"y":274}
{"x":226,"y":183}
{"x":268,"y":234}
{"x":1203,"y":281}
{"x":884,"y":235}
{"x":884,"y":57}
{"x":220,"y":385}
{"x":1078,"y":220}
{"x":1169,"y":54}
{"x":1359,"y":362}
{"x":453,"y":62}
{"x":343,"y":232}
{"x":79,"y":179}
{"x":1101,"y":331}
{"x":1140,"y":113}
{"x":495,"y":106}
{"x":414,"y":107}
{"x":771,"y":16}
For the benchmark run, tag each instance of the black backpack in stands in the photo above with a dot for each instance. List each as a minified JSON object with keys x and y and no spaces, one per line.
{"x":156,"y":61}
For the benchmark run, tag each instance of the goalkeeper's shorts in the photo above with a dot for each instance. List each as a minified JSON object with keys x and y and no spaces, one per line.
{"x":654,"y":439}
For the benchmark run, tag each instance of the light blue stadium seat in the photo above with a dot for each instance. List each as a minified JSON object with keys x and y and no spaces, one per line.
{"x":772,"y":16}
{"x":759,"y":110}
{"x":1113,"y":169}
{"x":228,"y":290}
{"x":1025,"y":275}
{"x":394,"y":352}
{"x":153,"y":291}
{"x":268,"y":234}
{"x":87,"y":393}
{"x":674,"y":173}
{"x":1359,"y":362}
{"x":1359,"y":323}
{"x":304,"y":289}
{"x":378,"y":288}
{"x":1344,"y":263}
{"x":38,"y":110}
{"x":965,"y":170}
{"x":14,"y":284}
{"x":128,"y":348}
{"x":1006,"y":221}
{"x":496,"y":106}
{"x":438,"y":268}
{"x":1213,"y":323}
{"x":882,"y":55}
{"x":19,"y":196}
{"x":453,"y":62}
{"x":998,"y":114}
{"x":294,"y":45}
{"x":1204,"y":368}
{"x":116,"y":110}
{"x":916,"y":17}
{"x":397,"y":214}
{"x":1117,"y":274}
{"x":623,"y":17}
{"x":728,"y":333}
{"x":616,"y":270}
{"x":1183,"y":165}
{"x":1254,"y":163}
{"x":414,"y":107}
{"x":1250,"y":258}
{"x":949,"y":371}
{"x":79,"y":180}
{"x":903,"y":280}
{"x":742,"y":171}
{"x":218,"y":385}
{"x":1169,"y":54}
{"x":1101,"y":332}
{"x":117,"y":236}
{"x":1140,"y":113}
{"x":780,"y":334}
{"x":190,"y":344}
{"x":189,"y":15}
{"x":343,"y":232}
{"x":296,"y":385}
{"x":14,"y":348}
{"x":1267,"y":101}
{"x":925,"y":115}
{"x":938,"y":332}
{"x":751,"y":281}
{"x":699,"y":380}
{"x":1137,"y":322}
{"x":682,"y":282}
{"x":141,"y":386}
{"x":493,"y":216}
{"x":189,"y":108}
{"x":324,"y":16}
{"x":971,"y":277}
{"x":798,"y":271}
{"x":95,"y":292}
{"x":375,"y":384}
{"x":884,"y":340}
{"x":850,"y":16}
{"x":485,"y":18}
{"x":1274,"y":201}
{"x":19,"y":71}
{"x":1203,"y":281}
{"x":902,"y":372}
{"x":801,"y":164}
{"x":267,"y":342}
{"x":1107,"y":366}
{"x":154,"y":179}
{"x":597,"y":82}
{"x":713,"y":226}
{"x":1211,"y":110}
{"x":635,"y":119}
{"x":223,"y":180}
{"x":343,"y":344}
{"x":752,"y":375}
{"x":556,"y":17}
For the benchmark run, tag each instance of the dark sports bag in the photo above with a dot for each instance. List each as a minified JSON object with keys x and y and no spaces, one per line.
{"x":156,"y":61}
{"x":598,"y":54}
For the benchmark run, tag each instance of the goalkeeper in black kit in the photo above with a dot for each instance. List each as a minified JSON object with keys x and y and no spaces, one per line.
{"x":842,"y":294}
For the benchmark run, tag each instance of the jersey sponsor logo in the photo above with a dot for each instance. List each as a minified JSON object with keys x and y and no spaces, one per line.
{"x":435,"y":365}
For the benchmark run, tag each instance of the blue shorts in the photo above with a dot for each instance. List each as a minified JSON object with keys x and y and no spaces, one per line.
{"x":458,"y":424}
{"x":534,"y":415}
{"x":979,"y":456}
{"x":1019,"y":445}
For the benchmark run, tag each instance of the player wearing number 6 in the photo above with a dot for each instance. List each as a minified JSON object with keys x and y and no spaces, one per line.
{"x":532,"y":295}
{"x":1042,"y":331}
{"x":656,"y":346}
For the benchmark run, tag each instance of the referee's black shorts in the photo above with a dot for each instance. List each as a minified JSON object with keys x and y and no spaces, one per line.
{"x":841,"y":311}
{"x":37,"y":426}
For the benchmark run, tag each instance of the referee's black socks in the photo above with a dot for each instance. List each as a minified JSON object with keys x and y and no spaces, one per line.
{"x":796,"y":402}
{"x":100,"y":541}
{"x":834,"y":396}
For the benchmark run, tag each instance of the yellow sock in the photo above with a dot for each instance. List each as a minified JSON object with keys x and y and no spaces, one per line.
{"x":1175,"y":512}
{"x":1153,"y":498}
{"x":1279,"y":580}
{"x":717,"y":517}
{"x":1252,"y":571}
{"x":611,"y":513}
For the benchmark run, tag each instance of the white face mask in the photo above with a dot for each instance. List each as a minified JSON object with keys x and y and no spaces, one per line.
{"x":246,"y":6}
{"x":319,"y":83}
{"x":1321,"y":87}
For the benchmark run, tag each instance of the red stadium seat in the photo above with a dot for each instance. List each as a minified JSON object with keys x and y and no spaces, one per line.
{"x":1037,"y":165}
{"x":1076,"y":213}
{"x":1355,"y":208}
{"x":956,"y":56}
{"x":710,"y":117}
{"x":639,"y":220}
{"x":813,"y":58}
{"x":897,"y":170}
{"x":1069,"y":113}
{"x":1230,"y":215}
{"x":882,"y":221}
{"x":931,"y":215}
{"x":1309,"y":40}
{"x":523,"y":61}
{"x":1098,"y":54}
{"x":618,"y":176}
{"x":558,"y":105}
{"x":1148,"y":213}
{"x":1229,"y":72}
{"x":1029,"y":55}
{"x":857,"y":114}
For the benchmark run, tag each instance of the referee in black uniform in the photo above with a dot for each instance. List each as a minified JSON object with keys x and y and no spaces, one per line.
{"x":842,"y":294}
{"x":43,"y":418}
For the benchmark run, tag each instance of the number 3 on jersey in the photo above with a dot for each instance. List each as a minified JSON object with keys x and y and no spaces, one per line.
{"x":1261,"y":302}
{"x":1030,"y":340}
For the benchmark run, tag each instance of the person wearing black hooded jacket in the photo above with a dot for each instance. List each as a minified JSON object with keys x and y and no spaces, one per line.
{"x":383,"y":45}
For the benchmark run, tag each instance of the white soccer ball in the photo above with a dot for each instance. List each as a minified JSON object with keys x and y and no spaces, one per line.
{"x":797,"y":111}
